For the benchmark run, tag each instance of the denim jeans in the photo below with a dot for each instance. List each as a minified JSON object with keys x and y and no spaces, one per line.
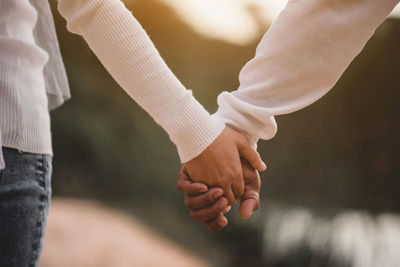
{"x":25,"y":192}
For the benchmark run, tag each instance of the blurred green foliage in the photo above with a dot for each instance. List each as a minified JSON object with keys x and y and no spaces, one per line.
{"x":341,"y":152}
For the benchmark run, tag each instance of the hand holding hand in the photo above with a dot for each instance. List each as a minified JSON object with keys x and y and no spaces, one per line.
{"x":219,"y":164}
{"x":208,"y":206}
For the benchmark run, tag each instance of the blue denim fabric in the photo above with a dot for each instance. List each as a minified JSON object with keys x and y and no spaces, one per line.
{"x":25,"y":192}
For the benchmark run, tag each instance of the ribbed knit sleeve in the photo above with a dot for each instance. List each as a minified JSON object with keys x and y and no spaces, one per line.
{"x":24,"y":116}
{"x":126,"y":51}
{"x":299,"y":60}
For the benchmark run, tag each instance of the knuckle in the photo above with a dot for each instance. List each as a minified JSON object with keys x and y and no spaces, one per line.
{"x":221,"y":205}
{"x":186,"y":202}
{"x":224,"y":178}
{"x":228,"y":175}
{"x":210,"y":198}
{"x":240,"y":193}
{"x":252,"y":195}
{"x":255,"y":195}
{"x":230,"y":200}
{"x":213,"y":212}
{"x":236,"y":172}
{"x":179,"y":186}
{"x":239,"y":185}
{"x":241,"y":190}
{"x":215,"y":182}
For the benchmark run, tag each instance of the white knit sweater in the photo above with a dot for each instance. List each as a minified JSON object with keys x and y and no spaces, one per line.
{"x":298,"y":61}
{"x":24,"y":117}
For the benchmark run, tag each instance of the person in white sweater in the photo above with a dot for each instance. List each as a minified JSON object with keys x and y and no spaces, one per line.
{"x":298,"y":60}
{"x":32,"y":81}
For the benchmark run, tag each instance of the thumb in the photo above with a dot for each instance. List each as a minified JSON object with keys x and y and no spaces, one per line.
{"x":252,"y":156}
{"x":247,"y":207}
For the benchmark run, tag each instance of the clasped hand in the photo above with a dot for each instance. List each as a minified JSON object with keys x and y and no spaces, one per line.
{"x":223,"y":173}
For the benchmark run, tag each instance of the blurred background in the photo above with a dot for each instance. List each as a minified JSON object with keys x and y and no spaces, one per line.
{"x":331,"y":195}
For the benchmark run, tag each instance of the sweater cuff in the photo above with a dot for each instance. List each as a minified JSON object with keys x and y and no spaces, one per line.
{"x":253,"y":140}
{"x":192,"y":129}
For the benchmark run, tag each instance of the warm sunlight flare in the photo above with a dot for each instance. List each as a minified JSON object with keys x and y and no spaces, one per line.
{"x":396,"y":11}
{"x":230,"y":20}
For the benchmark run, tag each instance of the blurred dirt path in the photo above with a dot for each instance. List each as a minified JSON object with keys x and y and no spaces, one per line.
{"x":85,"y":234}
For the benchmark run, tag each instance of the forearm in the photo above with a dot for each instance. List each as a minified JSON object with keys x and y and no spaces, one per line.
{"x":126,"y":51}
{"x":299,"y":60}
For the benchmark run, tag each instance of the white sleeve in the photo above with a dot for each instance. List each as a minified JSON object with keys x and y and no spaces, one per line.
{"x":126,"y":51}
{"x":299,"y":60}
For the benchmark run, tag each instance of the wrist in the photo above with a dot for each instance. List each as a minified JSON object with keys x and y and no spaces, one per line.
{"x":190,"y":127}
{"x":253,"y":140}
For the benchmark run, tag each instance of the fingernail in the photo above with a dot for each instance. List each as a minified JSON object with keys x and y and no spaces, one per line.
{"x":263,"y":166}
{"x":228,"y":208}
{"x":222,"y":223}
{"x":203,"y":190}
{"x":217,"y":194}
